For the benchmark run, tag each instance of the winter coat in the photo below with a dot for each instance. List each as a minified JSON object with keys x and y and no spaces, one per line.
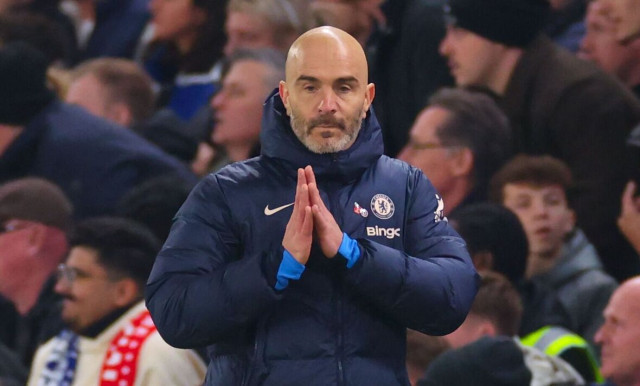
{"x":213,"y":282}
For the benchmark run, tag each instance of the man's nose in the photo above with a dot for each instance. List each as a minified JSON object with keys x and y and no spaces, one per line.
{"x":329,"y":103}
{"x":444,"y":45}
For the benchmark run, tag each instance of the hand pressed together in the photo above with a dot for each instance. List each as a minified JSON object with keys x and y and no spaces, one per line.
{"x":310,"y":217}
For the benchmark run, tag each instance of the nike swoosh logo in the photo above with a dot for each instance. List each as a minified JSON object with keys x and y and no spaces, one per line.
{"x":269,"y":212}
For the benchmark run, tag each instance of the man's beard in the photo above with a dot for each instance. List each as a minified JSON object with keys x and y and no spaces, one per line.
{"x":349,"y":128}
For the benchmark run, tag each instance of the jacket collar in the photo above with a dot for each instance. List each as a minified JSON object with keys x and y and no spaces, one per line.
{"x":279,"y":142}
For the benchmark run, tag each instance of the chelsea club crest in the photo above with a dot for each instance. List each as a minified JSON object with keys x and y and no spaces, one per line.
{"x":382,"y":206}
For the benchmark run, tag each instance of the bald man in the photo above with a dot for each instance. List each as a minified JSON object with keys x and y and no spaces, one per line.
{"x":619,"y":336}
{"x":305,"y":265}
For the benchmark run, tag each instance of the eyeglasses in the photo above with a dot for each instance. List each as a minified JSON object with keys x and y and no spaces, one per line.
{"x":70,"y":274}
{"x":429,"y":146}
{"x":14,"y":225}
{"x":67,"y":273}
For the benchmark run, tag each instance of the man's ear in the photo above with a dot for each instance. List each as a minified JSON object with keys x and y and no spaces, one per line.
{"x":37,"y":238}
{"x":283,"y":90}
{"x":126,"y":292}
{"x":463,"y":162}
{"x":369,"y":94}
{"x":120,"y":113}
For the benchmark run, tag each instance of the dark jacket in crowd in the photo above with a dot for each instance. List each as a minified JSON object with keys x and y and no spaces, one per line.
{"x":213,"y":282}
{"x":564,"y":106}
{"x":118,"y":28}
{"x":405,"y":66}
{"x":93,"y":161}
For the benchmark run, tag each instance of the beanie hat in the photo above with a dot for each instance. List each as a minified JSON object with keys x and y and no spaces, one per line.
{"x":490,"y":361}
{"x":24,"y":92}
{"x":37,"y":200}
{"x":510,"y":22}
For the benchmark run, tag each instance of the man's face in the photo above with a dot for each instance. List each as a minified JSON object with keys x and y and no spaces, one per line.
{"x":14,"y":263}
{"x":626,"y":16}
{"x":238,"y":105}
{"x":471,"y":58}
{"x":619,"y":337}
{"x":245,"y":30}
{"x":176,"y":20}
{"x":544,"y":214}
{"x":425,"y":151}
{"x":89,"y":93}
{"x":600,"y":45}
{"x":88,"y":291}
{"x":326,"y":95}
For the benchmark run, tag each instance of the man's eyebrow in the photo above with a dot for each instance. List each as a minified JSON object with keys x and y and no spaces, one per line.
{"x":306,"y":78}
{"x":347,"y":79}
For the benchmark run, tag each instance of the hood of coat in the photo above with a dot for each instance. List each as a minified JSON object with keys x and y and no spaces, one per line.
{"x":280,"y":143}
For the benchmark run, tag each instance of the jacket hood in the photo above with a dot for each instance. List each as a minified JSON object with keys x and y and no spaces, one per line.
{"x":280,"y":143}
{"x":578,"y":255}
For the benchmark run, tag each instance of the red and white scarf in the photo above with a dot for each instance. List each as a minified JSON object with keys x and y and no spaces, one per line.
{"x":119,"y":367}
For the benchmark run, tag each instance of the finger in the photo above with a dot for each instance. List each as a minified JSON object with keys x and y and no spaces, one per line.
{"x":307,"y":223}
{"x":302,"y":197}
{"x":315,"y":197}
{"x":309,"y":174}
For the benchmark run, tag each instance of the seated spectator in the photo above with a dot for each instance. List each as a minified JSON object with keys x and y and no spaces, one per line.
{"x":496,"y":241}
{"x":422,"y":349}
{"x":114,"y":89}
{"x":557,"y":104}
{"x":92,"y":160}
{"x":247,"y":79}
{"x":265,"y":23}
{"x":459,"y":140}
{"x":560,"y":257}
{"x":34,"y":218}
{"x":187,"y":43}
{"x":619,"y":336}
{"x":154,"y":203}
{"x":492,"y":361}
{"x":108,"y":28}
{"x":102,"y":282}
{"x":626,"y":16}
{"x":39,"y":31}
{"x":600,"y":46}
{"x":495,"y":313}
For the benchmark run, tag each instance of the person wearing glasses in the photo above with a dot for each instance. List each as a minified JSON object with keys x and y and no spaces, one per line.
{"x":34,"y":216}
{"x":111,"y":338}
{"x":459,"y":140}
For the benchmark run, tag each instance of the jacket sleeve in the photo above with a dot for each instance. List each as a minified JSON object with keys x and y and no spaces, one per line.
{"x":202,"y":286}
{"x":431,"y":285}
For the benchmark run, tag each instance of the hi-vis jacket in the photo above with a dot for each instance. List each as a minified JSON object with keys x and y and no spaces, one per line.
{"x":213,"y":282}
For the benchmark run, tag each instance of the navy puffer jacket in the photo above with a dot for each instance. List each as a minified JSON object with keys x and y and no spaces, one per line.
{"x":213,"y":281}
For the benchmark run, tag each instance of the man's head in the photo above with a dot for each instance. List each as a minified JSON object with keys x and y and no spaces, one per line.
{"x":114,"y":89}
{"x":34,"y":216}
{"x":535,"y":188}
{"x":626,"y":17}
{"x":459,"y":140}
{"x":495,"y":238}
{"x":326,"y":92}
{"x":619,"y":336}
{"x":265,"y":23}
{"x":485,"y":39}
{"x":107,"y":267}
{"x":496,"y":310}
{"x":23,"y":76}
{"x":249,"y":75}
{"x":600,"y":46}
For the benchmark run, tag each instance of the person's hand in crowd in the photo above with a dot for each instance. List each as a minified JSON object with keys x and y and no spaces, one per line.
{"x":629,"y":219}
{"x":298,"y":234}
{"x":327,"y":230}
